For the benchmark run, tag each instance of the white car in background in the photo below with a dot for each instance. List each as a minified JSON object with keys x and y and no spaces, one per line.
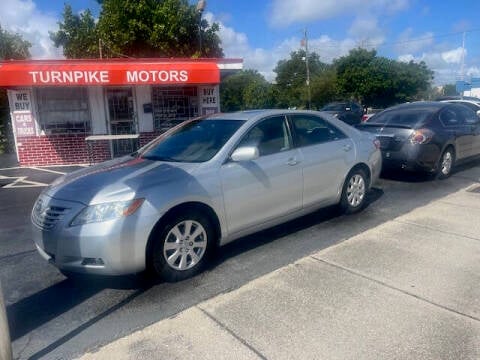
{"x":472,"y":104}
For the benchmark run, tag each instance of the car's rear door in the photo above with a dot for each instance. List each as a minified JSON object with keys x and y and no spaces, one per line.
{"x":328,"y":154}
{"x":453,"y":121}
{"x":265,"y":188}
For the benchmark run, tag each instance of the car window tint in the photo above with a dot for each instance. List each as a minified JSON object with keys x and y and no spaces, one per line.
{"x":335,"y":107}
{"x":270,"y":136}
{"x":312,"y":130}
{"x":402,"y":116}
{"x":450,"y":116}
{"x":194,"y":141}
{"x":468,"y":115}
{"x":471,"y":106}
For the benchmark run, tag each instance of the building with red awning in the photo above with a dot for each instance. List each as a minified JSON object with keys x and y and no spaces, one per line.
{"x":84,"y":111}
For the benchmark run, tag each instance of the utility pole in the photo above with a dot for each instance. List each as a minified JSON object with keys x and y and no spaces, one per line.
{"x":308,"y":70}
{"x":462,"y":68}
{"x":100,"y":51}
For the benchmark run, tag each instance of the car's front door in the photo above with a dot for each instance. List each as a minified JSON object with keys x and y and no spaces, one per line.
{"x":328,"y":156}
{"x":265,"y":188}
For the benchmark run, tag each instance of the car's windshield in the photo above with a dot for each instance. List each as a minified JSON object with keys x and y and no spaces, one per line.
{"x":334,"y":107}
{"x":403,"y":117}
{"x":195,"y":141}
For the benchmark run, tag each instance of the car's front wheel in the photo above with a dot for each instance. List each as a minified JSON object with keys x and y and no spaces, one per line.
{"x":182,"y":246}
{"x":354,"y":193}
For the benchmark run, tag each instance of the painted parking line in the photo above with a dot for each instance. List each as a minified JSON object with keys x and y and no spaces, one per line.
{"x":19,"y":182}
{"x":48,"y":170}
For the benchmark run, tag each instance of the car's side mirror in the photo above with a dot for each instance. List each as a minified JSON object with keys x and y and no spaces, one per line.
{"x":245,"y":153}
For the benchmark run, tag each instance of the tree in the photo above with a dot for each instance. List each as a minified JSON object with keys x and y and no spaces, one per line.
{"x":143,"y":28}
{"x":292,"y":76}
{"x":324,"y":88}
{"x":77,"y":34}
{"x":244,"y":90}
{"x":12,"y":47}
{"x":378,"y":81}
{"x":449,"y":90}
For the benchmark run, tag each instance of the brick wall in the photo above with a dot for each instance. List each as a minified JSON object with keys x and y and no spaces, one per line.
{"x":66,"y":149}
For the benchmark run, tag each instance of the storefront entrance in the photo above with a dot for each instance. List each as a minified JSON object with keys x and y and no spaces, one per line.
{"x":122,"y":119}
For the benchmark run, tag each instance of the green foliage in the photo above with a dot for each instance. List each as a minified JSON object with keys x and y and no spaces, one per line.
{"x":142,"y":28}
{"x":449,"y":90}
{"x":292,"y":77}
{"x":244,"y":90}
{"x":77,"y":34}
{"x":12,"y":47}
{"x":324,"y":88}
{"x":378,"y":81}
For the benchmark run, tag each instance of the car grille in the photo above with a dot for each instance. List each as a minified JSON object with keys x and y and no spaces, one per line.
{"x":46,"y":216}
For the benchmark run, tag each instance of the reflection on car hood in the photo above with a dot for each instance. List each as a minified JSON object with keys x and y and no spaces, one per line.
{"x":117,"y":179}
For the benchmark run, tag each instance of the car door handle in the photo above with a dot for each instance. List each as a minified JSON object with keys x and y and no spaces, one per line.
{"x":347,"y":147}
{"x":292,"y":161}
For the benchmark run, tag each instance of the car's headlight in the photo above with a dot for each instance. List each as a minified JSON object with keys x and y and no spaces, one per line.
{"x":106,"y":211}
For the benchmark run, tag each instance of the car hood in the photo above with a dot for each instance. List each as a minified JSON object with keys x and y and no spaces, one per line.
{"x":118,"y":179}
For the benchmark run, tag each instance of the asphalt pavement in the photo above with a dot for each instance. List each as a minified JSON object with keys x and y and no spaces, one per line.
{"x":405,"y":289}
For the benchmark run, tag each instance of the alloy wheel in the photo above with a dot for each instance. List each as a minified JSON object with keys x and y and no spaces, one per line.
{"x":185,"y":245}
{"x":356,"y":190}
{"x":447,"y":161}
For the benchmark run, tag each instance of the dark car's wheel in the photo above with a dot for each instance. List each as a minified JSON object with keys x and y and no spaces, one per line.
{"x":354,"y":193}
{"x":446,"y":163}
{"x":182,"y":247}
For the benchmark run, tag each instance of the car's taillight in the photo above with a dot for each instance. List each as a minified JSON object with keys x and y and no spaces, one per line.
{"x":365,"y":117}
{"x":376,"y":143}
{"x":421,"y":136}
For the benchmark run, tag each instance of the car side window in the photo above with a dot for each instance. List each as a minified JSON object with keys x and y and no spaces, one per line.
{"x":450,"y":117}
{"x":313,"y":130}
{"x":467,"y":114}
{"x":270,"y":136}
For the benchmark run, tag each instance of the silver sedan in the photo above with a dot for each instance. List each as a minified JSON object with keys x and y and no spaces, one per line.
{"x":202,"y":184}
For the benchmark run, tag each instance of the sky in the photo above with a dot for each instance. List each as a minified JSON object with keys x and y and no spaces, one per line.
{"x":262,"y":32}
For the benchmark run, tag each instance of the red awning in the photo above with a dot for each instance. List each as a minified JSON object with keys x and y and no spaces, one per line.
{"x":110,"y":72}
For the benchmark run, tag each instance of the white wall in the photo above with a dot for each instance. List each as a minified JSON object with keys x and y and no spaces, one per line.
{"x":97,"y":110}
{"x":143,"y":95}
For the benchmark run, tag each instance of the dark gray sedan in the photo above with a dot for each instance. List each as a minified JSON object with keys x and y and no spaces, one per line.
{"x":426,"y":136}
{"x":204,"y":183}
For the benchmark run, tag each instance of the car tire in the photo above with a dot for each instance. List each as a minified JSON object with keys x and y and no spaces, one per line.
{"x":446,"y":163}
{"x":182,"y":246}
{"x":354,"y":192}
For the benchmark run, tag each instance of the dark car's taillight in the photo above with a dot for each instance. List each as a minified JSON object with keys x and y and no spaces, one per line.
{"x":421,"y":136}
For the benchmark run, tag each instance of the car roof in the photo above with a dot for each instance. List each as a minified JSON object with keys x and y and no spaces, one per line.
{"x":477,"y":102}
{"x":420,"y":105}
{"x":251,"y":115}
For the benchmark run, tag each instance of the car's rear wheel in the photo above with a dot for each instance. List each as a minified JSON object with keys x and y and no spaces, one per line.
{"x":182,"y":246}
{"x":354,"y":193}
{"x":446,"y":163}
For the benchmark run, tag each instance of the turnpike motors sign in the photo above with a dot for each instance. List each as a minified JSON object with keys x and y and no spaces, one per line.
{"x":74,"y":72}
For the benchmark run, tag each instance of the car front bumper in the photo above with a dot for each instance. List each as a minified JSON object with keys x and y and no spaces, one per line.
{"x":114,"y":247}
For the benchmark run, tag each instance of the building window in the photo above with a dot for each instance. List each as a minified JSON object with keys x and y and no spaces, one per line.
{"x":63,"y":110}
{"x":172,"y":105}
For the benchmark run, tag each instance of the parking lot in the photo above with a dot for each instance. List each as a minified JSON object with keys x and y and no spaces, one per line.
{"x":52,"y":317}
